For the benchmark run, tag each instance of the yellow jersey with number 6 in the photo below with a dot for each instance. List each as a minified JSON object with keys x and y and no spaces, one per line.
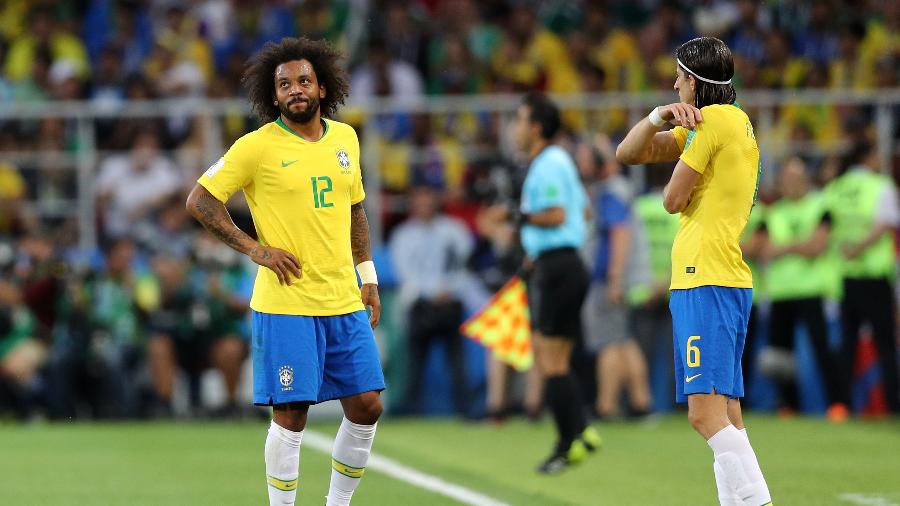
{"x":722,"y":149}
{"x":299,"y":193}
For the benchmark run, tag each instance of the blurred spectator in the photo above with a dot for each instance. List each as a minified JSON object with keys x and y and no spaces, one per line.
{"x":454,"y":70}
{"x":797,"y":228}
{"x":44,"y":33}
{"x":817,"y":42}
{"x":615,"y":51}
{"x":130,"y":187}
{"x":653,"y":232}
{"x":193,"y":327}
{"x":385,"y":76}
{"x":620,"y":364}
{"x":124,"y":25}
{"x":93,"y":363}
{"x":753,"y":243}
{"x":406,"y":37}
{"x":65,"y":82}
{"x":429,"y":252}
{"x":179,"y":32}
{"x":865,"y":213}
{"x":15,"y":220}
{"x":781,"y":69}
{"x":21,"y":355}
{"x":531,"y":57}
{"x":108,"y":85}
{"x":849,"y":70}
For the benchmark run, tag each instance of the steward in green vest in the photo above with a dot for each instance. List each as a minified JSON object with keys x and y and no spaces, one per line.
{"x":797,"y":228}
{"x":653,"y":232}
{"x":865,"y":213}
{"x":752,"y":243}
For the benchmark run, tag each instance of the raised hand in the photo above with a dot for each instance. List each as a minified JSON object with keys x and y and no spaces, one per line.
{"x":681,"y":114}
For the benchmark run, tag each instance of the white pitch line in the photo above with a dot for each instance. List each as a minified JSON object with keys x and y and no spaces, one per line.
{"x":398,"y":471}
{"x":867,"y":499}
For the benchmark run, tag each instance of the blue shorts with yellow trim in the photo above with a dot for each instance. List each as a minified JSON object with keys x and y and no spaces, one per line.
{"x":710,"y":327}
{"x":313,"y":358}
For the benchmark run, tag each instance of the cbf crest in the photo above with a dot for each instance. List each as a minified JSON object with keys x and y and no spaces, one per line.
{"x":343,"y":160}
{"x":286,"y":377}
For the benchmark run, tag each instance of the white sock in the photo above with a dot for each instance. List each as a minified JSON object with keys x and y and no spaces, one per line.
{"x":727,"y":495}
{"x":348,"y":460}
{"x":740,"y":470}
{"x":282,"y":464}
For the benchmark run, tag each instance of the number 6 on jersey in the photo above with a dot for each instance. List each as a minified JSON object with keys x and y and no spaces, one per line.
{"x":693,"y":352}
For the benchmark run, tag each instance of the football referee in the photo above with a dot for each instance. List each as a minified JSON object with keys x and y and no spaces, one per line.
{"x":552,"y":217}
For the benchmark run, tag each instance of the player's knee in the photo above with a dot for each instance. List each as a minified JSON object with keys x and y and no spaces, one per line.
{"x":368,"y":412}
{"x":699,"y":421}
{"x":705,"y":424}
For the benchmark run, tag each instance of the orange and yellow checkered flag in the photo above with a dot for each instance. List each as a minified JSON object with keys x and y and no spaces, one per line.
{"x":503,"y":325}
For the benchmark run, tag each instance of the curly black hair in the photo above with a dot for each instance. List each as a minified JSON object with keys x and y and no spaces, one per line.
{"x":710,"y":58}
{"x":326,"y":60}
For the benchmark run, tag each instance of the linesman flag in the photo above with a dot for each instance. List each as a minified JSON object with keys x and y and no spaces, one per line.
{"x":503,"y":325}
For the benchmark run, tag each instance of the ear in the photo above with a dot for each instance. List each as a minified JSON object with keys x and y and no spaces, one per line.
{"x":321,"y":92}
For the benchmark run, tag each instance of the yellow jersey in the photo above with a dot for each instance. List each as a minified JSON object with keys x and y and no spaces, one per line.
{"x":299,"y":193}
{"x":723,"y":150}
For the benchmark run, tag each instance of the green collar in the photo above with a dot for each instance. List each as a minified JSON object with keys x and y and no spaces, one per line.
{"x":280,"y":123}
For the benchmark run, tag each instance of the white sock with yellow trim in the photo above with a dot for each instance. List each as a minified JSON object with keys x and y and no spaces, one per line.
{"x":348,"y":460}
{"x":282,"y":464}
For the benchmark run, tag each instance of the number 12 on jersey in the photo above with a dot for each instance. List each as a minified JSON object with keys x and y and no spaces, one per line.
{"x":319,"y":194}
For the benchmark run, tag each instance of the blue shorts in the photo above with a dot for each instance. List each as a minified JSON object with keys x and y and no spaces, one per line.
{"x":710,"y":327}
{"x":313,"y":358}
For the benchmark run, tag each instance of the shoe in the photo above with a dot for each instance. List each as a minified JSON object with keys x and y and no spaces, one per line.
{"x":560,"y":460}
{"x":577,"y":452}
{"x":554,"y":464}
{"x":837,"y":413}
{"x":591,"y":439}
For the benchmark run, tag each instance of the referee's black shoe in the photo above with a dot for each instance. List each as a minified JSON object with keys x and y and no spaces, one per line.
{"x":560,"y":460}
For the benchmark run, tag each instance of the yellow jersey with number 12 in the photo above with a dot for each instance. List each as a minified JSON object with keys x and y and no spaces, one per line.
{"x":723,"y":150}
{"x":299,"y":193}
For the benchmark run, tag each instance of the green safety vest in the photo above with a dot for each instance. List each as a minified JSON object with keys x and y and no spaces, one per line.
{"x":755,"y":220}
{"x":659,"y":228}
{"x":796,"y":276}
{"x":852,"y":200}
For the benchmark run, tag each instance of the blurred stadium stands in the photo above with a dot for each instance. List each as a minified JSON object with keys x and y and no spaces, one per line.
{"x":111,"y":110}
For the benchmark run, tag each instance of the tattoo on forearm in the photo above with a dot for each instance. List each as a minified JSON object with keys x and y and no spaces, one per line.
{"x":214,"y":217}
{"x":359,"y":234}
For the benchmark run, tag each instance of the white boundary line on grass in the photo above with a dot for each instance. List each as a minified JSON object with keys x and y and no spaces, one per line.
{"x":867,"y":499}
{"x":400,"y":472}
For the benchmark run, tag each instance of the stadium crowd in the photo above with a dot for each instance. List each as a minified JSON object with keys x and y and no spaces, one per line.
{"x":108,"y":333}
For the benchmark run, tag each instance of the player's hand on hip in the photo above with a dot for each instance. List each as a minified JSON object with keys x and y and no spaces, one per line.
{"x":681,"y":114}
{"x":370,"y":298}
{"x":282,"y":263}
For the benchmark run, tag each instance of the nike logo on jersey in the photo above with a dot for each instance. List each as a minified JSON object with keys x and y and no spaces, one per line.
{"x":688,"y":379}
{"x":285,"y":164}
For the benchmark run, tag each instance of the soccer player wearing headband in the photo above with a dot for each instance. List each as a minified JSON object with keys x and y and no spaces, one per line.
{"x":713,"y":187}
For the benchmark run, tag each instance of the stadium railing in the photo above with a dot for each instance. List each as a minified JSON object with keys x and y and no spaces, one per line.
{"x":882,"y":110}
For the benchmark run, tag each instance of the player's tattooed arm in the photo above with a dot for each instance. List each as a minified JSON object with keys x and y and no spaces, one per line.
{"x":213,"y":215}
{"x":362,"y":251}
{"x":359,"y":234}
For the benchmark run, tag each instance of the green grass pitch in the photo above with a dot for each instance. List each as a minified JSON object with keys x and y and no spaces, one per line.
{"x":806,"y":461}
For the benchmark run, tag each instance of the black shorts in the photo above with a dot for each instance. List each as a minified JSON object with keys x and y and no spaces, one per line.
{"x":557,"y":287}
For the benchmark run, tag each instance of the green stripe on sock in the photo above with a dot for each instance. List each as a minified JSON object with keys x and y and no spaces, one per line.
{"x":285,"y":485}
{"x":348,"y":471}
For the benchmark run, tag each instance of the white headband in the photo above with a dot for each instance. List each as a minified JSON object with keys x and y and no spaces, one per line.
{"x":705,"y":80}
